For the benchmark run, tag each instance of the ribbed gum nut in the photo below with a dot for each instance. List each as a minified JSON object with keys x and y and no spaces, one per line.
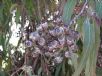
{"x":53,"y":45}
{"x":73,"y":48}
{"x":28,"y":43}
{"x":69,"y":41}
{"x":73,"y":34}
{"x":52,"y":32}
{"x":57,"y":31}
{"x":34,"y":36}
{"x":61,"y":39}
{"x":61,"y":30}
{"x":44,"y":25}
{"x":68,"y":54}
{"x":41,"y":41}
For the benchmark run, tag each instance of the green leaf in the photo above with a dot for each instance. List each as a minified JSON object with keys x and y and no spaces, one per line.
{"x":68,"y":10}
{"x":7,"y":5}
{"x":74,"y":58}
{"x":18,"y":14}
{"x":2,"y":73}
{"x":1,"y":14}
{"x":29,"y":4}
{"x":88,"y":70}
{"x":9,"y":63}
{"x":99,"y":7}
{"x":87,"y":45}
{"x":80,"y":24}
{"x":0,"y":61}
{"x":91,"y":63}
{"x":63,"y":68}
{"x":39,"y":71}
{"x":58,"y":69}
{"x":99,"y":72}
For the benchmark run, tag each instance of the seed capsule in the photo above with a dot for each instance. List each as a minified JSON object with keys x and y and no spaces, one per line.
{"x":41,"y":41}
{"x":57,"y":31}
{"x":68,"y":54}
{"x":53,"y":45}
{"x":73,"y":48}
{"x":73,"y":34}
{"x":52,"y":32}
{"x":28,"y":43}
{"x":61,"y":39}
{"x":44,"y":25}
{"x":70,"y":41}
{"x":34,"y":36}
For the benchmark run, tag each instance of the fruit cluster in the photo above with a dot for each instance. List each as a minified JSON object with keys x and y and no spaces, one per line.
{"x":52,"y":40}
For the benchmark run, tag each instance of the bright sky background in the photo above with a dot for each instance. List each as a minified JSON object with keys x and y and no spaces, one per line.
{"x":15,"y":28}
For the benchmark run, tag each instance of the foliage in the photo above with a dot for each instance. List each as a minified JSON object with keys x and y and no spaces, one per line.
{"x":60,"y":39}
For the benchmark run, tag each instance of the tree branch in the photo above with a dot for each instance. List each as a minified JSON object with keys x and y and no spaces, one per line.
{"x":77,"y":16}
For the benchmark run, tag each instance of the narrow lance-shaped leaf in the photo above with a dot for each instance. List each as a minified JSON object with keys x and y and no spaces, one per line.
{"x":87,"y":46}
{"x":91,"y":63}
{"x":29,"y":4}
{"x":68,"y":10}
{"x":89,"y":70}
{"x":58,"y":69}
{"x":99,"y":71}
{"x":1,"y":14}
{"x":97,"y":42}
{"x":74,"y":60}
{"x":98,"y":7}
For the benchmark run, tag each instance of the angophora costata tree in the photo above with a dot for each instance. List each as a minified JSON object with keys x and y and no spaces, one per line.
{"x":62,"y":37}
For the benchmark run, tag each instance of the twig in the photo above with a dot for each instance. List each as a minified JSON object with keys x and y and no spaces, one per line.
{"x":77,"y":16}
{"x":39,"y":11}
{"x":16,"y":71}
